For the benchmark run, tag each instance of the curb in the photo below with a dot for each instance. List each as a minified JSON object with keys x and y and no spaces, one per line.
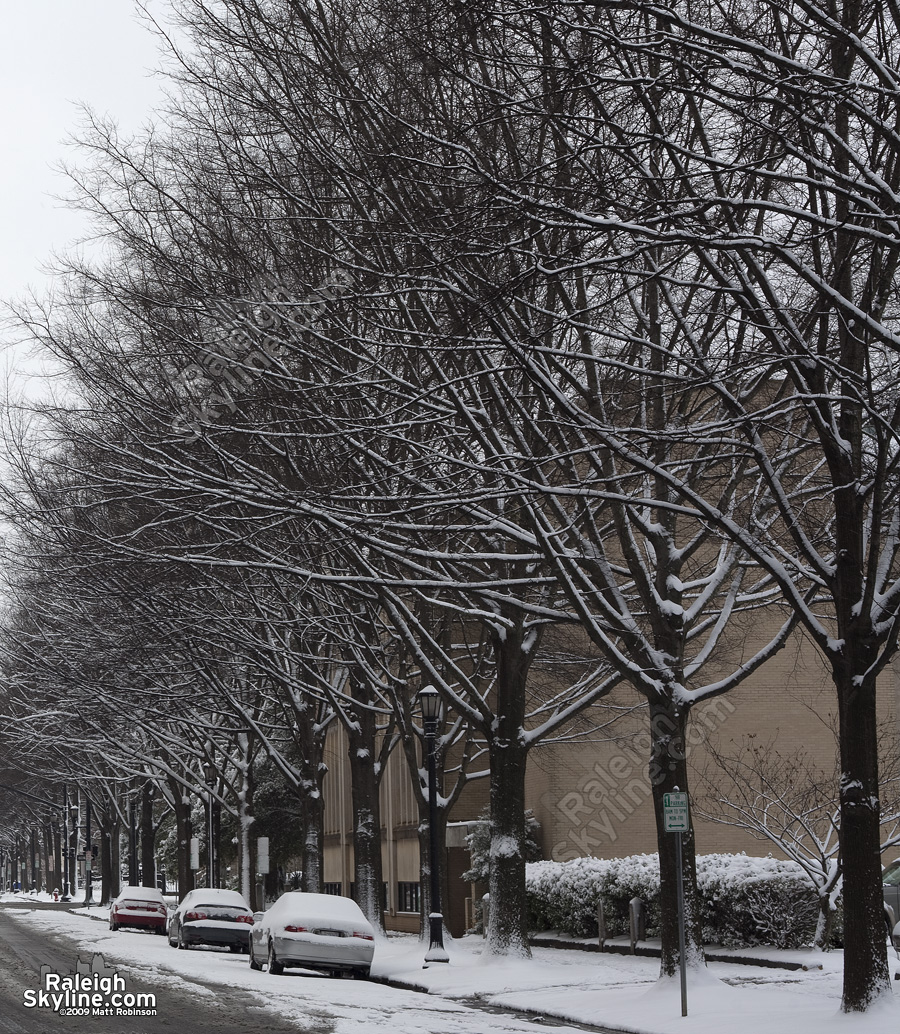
{"x":535,"y":1015}
{"x":655,"y":953}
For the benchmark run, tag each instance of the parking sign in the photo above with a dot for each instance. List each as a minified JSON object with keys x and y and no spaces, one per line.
{"x":675,"y":812}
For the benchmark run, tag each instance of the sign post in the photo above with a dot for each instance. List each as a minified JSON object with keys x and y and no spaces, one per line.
{"x":676,"y":819}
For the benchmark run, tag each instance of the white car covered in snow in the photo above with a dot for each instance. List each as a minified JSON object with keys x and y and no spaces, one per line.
{"x":313,"y":931}
{"x":215,"y":917}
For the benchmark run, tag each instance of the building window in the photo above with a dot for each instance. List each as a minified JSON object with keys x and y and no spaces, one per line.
{"x":407,"y":897}
{"x":332,"y":888}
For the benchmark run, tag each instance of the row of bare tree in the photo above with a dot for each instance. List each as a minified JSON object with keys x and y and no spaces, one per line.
{"x":429,"y":332}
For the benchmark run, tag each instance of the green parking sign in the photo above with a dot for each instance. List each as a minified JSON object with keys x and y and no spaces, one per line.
{"x":675,"y":812}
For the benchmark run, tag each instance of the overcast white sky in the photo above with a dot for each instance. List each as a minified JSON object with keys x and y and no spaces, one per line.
{"x":54,"y":55}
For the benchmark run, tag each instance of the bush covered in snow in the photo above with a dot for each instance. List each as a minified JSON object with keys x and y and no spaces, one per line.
{"x":564,"y":895}
{"x":745,"y":900}
{"x":750,"y":901}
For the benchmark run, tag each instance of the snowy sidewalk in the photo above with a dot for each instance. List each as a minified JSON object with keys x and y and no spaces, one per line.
{"x":620,"y":992}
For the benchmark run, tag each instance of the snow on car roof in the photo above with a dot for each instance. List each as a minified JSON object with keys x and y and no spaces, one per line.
{"x":141,"y":893}
{"x":215,"y":896}
{"x":318,"y":906}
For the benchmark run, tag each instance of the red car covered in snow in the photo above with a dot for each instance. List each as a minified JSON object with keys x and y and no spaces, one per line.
{"x":142,"y":907}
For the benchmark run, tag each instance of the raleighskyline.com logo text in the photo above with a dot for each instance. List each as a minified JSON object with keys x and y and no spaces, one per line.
{"x":90,"y":991}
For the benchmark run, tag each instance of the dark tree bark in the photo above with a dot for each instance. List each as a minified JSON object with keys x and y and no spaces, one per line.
{"x":148,"y":837}
{"x":668,"y":773}
{"x":311,"y":770}
{"x":365,"y":782}
{"x":108,"y":821}
{"x":58,"y":869}
{"x":183,"y":832}
{"x":507,"y":932}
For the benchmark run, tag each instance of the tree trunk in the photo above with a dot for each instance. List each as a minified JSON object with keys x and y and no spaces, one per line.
{"x":668,"y":772}
{"x":148,"y":838}
{"x":508,"y":928}
{"x":50,"y":876}
{"x":866,"y":974}
{"x":115,"y":885}
{"x":34,"y":859}
{"x":181,"y":805}
{"x":364,"y":785}
{"x":216,"y":846}
{"x":310,"y":739}
{"x":109,"y":829}
{"x":58,"y":869}
{"x":131,"y":832}
{"x":313,"y":817}
{"x":246,"y":840}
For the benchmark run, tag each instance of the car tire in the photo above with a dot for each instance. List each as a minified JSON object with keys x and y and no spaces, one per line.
{"x":275,"y":966}
{"x":182,"y":943}
{"x":235,"y":949}
{"x":113,"y":926}
{"x":253,"y":963}
{"x":360,"y":974}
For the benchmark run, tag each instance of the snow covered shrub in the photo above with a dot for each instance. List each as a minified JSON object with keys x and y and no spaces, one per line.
{"x":563,"y":895}
{"x":745,"y":900}
{"x":749,"y":901}
{"x":636,"y":876}
{"x":782,"y":911}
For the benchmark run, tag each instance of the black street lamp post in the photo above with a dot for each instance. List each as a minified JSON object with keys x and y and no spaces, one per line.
{"x":430,"y":702}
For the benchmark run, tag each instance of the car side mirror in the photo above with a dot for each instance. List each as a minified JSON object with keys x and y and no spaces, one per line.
{"x":257,"y":916}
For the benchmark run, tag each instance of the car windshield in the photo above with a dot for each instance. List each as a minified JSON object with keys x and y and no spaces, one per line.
{"x":217,"y":908}
{"x":140,"y":894}
{"x":891,"y":877}
{"x":206,"y":898}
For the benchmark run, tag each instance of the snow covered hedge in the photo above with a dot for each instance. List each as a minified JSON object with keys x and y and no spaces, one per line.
{"x":746,"y":900}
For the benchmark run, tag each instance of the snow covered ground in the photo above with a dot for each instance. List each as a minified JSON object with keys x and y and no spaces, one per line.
{"x":620,"y":992}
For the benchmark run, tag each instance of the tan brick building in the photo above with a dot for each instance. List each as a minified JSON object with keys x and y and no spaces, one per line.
{"x":592,"y":796}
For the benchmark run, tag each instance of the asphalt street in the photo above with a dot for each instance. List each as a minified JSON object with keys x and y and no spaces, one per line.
{"x":23,"y":953}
